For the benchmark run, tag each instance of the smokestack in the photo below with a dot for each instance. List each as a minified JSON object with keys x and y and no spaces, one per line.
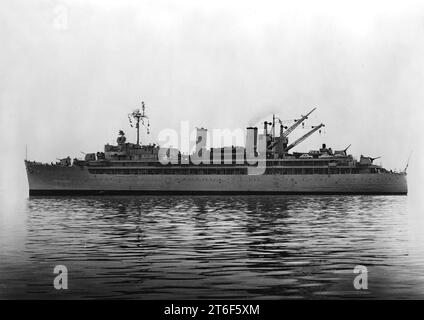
{"x":252,"y":139}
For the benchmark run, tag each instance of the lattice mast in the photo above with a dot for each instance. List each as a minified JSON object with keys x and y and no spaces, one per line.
{"x":139,"y":116}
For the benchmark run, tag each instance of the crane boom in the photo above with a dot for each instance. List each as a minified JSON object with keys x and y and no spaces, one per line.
{"x":297,"y":123}
{"x":294,"y":144}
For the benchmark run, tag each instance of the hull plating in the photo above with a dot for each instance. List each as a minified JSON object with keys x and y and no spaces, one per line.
{"x":57,"y":180}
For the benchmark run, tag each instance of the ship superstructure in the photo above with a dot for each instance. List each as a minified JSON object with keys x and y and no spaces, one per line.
{"x":266,"y":165}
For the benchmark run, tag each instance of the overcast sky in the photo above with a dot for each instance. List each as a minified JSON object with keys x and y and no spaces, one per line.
{"x":71,"y":71}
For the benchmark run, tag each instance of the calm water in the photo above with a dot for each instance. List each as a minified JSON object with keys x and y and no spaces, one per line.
{"x":211,"y":247}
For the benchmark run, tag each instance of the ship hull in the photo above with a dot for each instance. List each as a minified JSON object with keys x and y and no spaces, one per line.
{"x":59,"y":180}
{"x":50,"y":192}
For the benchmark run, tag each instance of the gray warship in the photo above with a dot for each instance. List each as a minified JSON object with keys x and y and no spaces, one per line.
{"x":266,"y":165}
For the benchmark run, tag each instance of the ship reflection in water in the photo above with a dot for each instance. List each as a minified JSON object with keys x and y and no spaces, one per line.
{"x":215,"y":247}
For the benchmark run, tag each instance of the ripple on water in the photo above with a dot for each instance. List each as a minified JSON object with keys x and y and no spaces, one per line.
{"x":213,"y":247}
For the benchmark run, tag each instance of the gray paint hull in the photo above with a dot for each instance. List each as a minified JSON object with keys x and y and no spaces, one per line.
{"x":55,"y":180}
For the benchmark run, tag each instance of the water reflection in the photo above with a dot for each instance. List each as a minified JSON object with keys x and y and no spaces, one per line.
{"x":215,"y":247}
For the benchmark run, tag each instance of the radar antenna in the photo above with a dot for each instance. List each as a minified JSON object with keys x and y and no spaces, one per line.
{"x":139,"y":116}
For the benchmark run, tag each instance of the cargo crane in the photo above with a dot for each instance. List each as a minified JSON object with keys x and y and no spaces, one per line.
{"x":297,"y":123}
{"x":283,"y":135}
{"x":294,"y":144}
